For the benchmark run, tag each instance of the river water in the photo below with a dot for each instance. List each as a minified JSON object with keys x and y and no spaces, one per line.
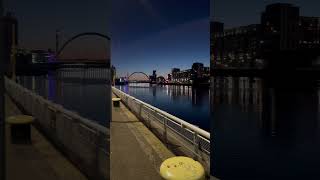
{"x":265,"y":131}
{"x":187,"y":103}
{"x":90,"y":99}
{"x":87,"y":98}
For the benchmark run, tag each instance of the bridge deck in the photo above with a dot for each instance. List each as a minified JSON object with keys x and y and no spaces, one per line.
{"x":136,"y":153}
{"x":37,"y":161}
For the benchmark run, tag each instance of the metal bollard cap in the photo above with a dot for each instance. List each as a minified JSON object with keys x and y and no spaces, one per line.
{"x":20,"y":119}
{"x":182,"y":168}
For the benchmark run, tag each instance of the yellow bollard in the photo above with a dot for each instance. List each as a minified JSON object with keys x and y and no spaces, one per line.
{"x":20,"y":128}
{"x":116,"y":102}
{"x":182,"y":168}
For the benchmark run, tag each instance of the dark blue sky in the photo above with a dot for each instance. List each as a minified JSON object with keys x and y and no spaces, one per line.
{"x":159,"y":35}
{"x":236,"y":13}
{"x":146,"y":34}
{"x":38,"y":21}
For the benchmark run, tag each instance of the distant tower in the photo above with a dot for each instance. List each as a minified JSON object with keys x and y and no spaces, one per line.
{"x":154,"y":76}
{"x":57,"y":41}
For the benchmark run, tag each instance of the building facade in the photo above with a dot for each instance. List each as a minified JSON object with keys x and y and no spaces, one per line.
{"x":282,"y":32}
{"x":197,"y":73}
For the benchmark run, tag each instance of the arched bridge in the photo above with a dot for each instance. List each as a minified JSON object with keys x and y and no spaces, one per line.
{"x":138,"y":73}
{"x":80,"y":35}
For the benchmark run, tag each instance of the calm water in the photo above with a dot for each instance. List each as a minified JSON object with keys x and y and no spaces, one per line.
{"x":89,"y":99}
{"x":260,"y":130}
{"x":187,"y":103}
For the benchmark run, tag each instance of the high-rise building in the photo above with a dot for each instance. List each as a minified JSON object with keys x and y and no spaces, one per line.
{"x":282,"y":39}
{"x":197,"y":70}
{"x":237,"y":47}
{"x":174,"y":73}
{"x":309,"y":32}
{"x":216,"y":30}
{"x":280,"y":27}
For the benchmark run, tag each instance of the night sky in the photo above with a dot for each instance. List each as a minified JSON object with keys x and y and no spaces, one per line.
{"x":146,"y":34}
{"x":38,"y":21}
{"x":159,"y":35}
{"x":246,"y":12}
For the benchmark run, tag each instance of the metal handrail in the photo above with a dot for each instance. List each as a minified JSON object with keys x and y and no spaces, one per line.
{"x":174,"y":118}
{"x":60,"y":108}
{"x":57,"y":131}
{"x":195,"y":140}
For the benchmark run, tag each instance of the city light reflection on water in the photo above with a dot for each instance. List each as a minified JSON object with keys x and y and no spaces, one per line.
{"x":185,"y":102}
{"x":272,"y":129}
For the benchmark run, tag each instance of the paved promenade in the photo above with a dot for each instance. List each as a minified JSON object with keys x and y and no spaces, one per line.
{"x":136,"y":153}
{"x":38,"y":161}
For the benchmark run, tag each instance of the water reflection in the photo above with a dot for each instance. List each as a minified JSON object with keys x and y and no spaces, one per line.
{"x":89,"y":99}
{"x":185,"y":102}
{"x":262,"y":131}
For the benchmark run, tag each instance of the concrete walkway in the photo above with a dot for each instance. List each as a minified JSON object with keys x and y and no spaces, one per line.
{"x":136,"y":153}
{"x":38,"y":161}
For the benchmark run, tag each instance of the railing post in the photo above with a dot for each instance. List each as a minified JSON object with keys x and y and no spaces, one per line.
{"x":196,"y":145}
{"x":165,"y":130}
{"x":140,"y":110}
{"x":149,"y":120}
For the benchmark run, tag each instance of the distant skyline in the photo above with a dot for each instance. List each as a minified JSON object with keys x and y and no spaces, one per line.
{"x":38,"y":21}
{"x":235,"y":13}
{"x":146,"y":34}
{"x":159,"y":35}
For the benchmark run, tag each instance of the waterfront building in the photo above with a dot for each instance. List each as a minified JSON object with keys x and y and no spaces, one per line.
{"x":197,"y":72}
{"x":310,"y":32}
{"x":153,"y":77}
{"x":40,"y":56}
{"x":169,"y":77}
{"x":280,"y":27}
{"x":282,"y":38}
{"x":237,"y":47}
{"x":174,"y":73}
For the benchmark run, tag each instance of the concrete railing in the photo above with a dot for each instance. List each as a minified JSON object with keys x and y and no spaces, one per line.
{"x":84,"y":142}
{"x":195,"y":140}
